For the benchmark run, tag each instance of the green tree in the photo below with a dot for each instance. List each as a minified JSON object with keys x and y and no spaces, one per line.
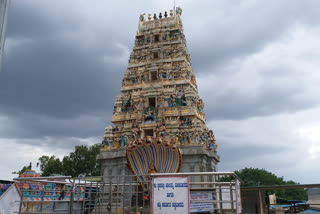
{"x":262,"y":177}
{"x":50,"y":165}
{"x":22,"y":170}
{"x":81,"y":161}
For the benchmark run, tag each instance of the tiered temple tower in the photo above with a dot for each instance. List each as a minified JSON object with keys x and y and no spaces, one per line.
{"x":159,"y":102}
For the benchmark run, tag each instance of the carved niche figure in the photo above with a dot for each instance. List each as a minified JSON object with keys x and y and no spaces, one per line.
{"x":185,"y":121}
{"x":178,"y":137}
{"x":133,"y":104}
{"x":109,"y":140}
{"x":141,"y":103}
{"x":134,"y":134}
{"x":171,"y":101}
{"x":190,"y":137}
{"x":126,"y":103}
{"x":200,"y":105}
{"x":172,"y":138}
{"x":181,"y":99}
{"x":104,"y":143}
{"x":193,"y":80}
{"x":124,"y":140}
{"x":212,"y":141}
{"x":149,"y":115}
{"x":196,"y":137}
{"x":185,"y":137}
{"x":202,"y":139}
{"x":118,"y":142}
{"x":140,"y":78}
{"x":162,"y":131}
{"x":161,"y":100}
{"x":136,"y":131}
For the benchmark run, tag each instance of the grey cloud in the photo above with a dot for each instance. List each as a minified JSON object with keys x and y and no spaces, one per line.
{"x":234,"y":105}
{"x":241,"y":31}
{"x":24,"y":125}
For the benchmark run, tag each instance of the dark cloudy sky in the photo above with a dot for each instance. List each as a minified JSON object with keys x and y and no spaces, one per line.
{"x":256,"y":64}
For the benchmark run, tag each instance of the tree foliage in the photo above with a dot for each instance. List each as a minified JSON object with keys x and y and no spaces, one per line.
{"x":50,"y":165}
{"x":80,"y":162}
{"x":22,"y":170}
{"x":262,"y":177}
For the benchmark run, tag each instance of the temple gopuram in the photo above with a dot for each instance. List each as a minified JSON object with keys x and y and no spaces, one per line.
{"x":159,"y":120}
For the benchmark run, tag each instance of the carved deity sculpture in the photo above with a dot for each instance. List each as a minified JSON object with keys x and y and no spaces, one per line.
{"x":161,"y":100}
{"x":196,"y":137}
{"x":141,"y":103}
{"x":162,"y":130}
{"x":104,"y":143}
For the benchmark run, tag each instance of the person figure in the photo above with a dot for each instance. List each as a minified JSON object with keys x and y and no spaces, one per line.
{"x":62,"y":193}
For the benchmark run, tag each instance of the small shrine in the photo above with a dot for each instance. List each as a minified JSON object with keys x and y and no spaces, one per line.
{"x":158,"y":118}
{"x":29,"y":173}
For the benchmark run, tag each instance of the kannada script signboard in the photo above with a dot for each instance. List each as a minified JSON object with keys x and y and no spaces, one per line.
{"x":196,"y":207}
{"x":170,"y":195}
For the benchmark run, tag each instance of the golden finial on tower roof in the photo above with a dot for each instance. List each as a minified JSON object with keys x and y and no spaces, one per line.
{"x":149,"y":16}
{"x":171,"y":12}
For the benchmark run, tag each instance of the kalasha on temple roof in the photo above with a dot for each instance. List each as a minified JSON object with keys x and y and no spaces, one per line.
{"x":159,"y":108}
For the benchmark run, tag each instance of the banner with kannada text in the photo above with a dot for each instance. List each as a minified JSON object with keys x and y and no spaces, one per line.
{"x":170,"y":195}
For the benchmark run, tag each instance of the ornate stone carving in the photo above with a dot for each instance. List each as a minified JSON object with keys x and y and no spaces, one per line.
{"x":159,"y":101}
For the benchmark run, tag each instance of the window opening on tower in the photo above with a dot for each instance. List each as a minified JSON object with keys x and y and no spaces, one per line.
{"x":155,"y":55}
{"x":152,"y":102}
{"x":148,"y":132}
{"x":156,"y":38}
{"x":154,"y":75}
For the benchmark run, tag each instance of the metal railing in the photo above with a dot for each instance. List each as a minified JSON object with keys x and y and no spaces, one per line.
{"x":121,"y":194}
